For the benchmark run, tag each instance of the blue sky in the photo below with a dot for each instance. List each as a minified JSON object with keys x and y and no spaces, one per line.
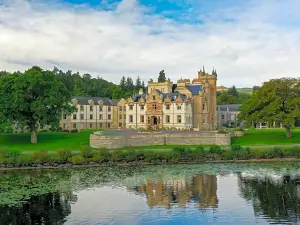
{"x":247,"y":41}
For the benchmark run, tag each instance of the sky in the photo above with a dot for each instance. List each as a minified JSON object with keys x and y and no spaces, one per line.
{"x":248,"y":42}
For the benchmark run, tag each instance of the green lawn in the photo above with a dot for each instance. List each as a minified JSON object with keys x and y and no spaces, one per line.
{"x":50,"y":141}
{"x":267,"y":137}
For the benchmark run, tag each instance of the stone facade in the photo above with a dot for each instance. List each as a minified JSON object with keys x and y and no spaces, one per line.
{"x":114,"y":142}
{"x":182,"y":105}
{"x":227,"y":115}
{"x":92,"y":113}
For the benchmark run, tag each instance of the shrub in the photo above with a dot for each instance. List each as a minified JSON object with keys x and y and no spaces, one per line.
{"x":64,"y":155}
{"x":74,"y":131}
{"x":65,"y":130}
{"x":77,"y":160}
{"x":180,"y":151}
{"x":130,"y":155}
{"x":96,"y":158}
{"x":293,"y":152}
{"x":228,"y":155}
{"x":118,"y":155}
{"x":236,"y":148}
{"x":103,"y":154}
{"x":40,"y":156}
{"x":216,"y":150}
{"x":200,"y":153}
{"x":86,"y":152}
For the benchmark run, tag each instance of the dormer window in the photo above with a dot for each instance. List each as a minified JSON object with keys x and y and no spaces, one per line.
{"x":153,"y":97}
{"x":81,"y":108}
{"x":131,"y":107}
{"x":91,"y":108}
{"x":178,"y":107}
{"x":167,"y":107}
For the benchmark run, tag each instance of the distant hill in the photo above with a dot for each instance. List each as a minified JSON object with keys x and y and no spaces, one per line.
{"x":245,"y":90}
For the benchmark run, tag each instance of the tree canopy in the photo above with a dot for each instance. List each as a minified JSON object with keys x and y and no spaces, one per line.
{"x":33,"y":99}
{"x":232,"y":96}
{"x":276,"y":101}
{"x":162,"y":76}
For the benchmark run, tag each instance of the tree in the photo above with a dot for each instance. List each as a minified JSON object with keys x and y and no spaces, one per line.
{"x":162,"y":76}
{"x":224,"y":98}
{"x":276,"y":101}
{"x":233,"y":91}
{"x":129,"y":84}
{"x":138,"y":83}
{"x":123,"y":83}
{"x":33,"y":99}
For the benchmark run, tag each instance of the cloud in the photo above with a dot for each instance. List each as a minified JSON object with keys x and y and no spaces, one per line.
{"x":247,"y":45}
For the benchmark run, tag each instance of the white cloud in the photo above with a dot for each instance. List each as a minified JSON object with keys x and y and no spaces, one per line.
{"x":261,"y":44}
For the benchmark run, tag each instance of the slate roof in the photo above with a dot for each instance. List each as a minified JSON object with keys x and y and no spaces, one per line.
{"x":137,"y":97}
{"x":194,"y":89}
{"x":172,"y":96}
{"x":84,"y":100}
{"x":230,"y":107}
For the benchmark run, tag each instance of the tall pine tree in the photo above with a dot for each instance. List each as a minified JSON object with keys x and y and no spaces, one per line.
{"x":162,"y":76}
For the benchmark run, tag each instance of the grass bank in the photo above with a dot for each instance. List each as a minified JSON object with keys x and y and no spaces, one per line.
{"x":267,"y":137}
{"x":88,"y":156}
{"x":50,"y":141}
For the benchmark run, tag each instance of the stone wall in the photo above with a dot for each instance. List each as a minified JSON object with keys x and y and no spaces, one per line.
{"x":113,"y":142}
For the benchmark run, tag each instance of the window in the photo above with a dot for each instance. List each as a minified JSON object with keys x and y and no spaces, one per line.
{"x":120,"y":124}
{"x":108,"y":125}
{"x":203,"y":107}
{"x":153,"y":97}
{"x":124,"y":117}
{"x":142,"y":119}
{"x":91,"y":108}
{"x":100,"y":116}
{"x":179,"y":119}
{"x":91,"y":116}
{"x":81,"y":116}
{"x":74,"y":125}
{"x":91,"y":125}
{"x":142,"y":107}
{"x":109,"y":117}
{"x":74,"y":116}
{"x":100,"y":125}
{"x":124,"y":108}
{"x":64,"y":126}
{"x":100,"y":108}
{"x":131,"y":107}
{"x":167,"y":107}
{"x":81,"y":108}
{"x":154,"y":106}
{"x":178,"y":107}
{"x":223,"y":117}
{"x":131,"y":119}
{"x":120,"y":117}
{"x":108,"y":108}
{"x":120,"y":108}
{"x":167,"y":119}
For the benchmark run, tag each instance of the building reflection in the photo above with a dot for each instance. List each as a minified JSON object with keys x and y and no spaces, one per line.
{"x":200,"y":190}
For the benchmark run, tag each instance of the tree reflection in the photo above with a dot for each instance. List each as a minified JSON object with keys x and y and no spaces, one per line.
{"x":51,"y":208}
{"x":278,"y":200}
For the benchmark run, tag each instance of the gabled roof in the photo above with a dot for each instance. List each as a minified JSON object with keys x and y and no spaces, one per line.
{"x":194,"y":89}
{"x":229,"y":107}
{"x":173,"y":96}
{"x":137,"y":97}
{"x":84,"y":100}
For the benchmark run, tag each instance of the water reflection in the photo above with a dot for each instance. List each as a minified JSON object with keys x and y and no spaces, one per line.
{"x":275,"y":197}
{"x":51,"y":208}
{"x":200,"y":189}
{"x":181,"y":194}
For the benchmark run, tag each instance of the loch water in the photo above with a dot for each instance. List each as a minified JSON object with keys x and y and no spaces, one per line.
{"x":242,"y":193}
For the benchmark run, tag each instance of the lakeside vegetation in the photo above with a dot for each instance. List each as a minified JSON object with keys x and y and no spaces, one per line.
{"x":88,"y":156}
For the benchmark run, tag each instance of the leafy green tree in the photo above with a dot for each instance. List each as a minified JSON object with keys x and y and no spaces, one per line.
{"x":224,"y":98}
{"x":123,"y":83}
{"x":233,"y":91}
{"x":276,"y":101}
{"x":162,"y":76}
{"x":129,"y":84}
{"x":33,"y":99}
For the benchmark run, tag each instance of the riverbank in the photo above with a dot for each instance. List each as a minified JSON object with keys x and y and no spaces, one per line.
{"x":103,"y":157}
{"x":61,"y":166}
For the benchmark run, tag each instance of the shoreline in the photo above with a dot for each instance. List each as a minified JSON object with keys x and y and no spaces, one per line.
{"x":64,"y":166}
